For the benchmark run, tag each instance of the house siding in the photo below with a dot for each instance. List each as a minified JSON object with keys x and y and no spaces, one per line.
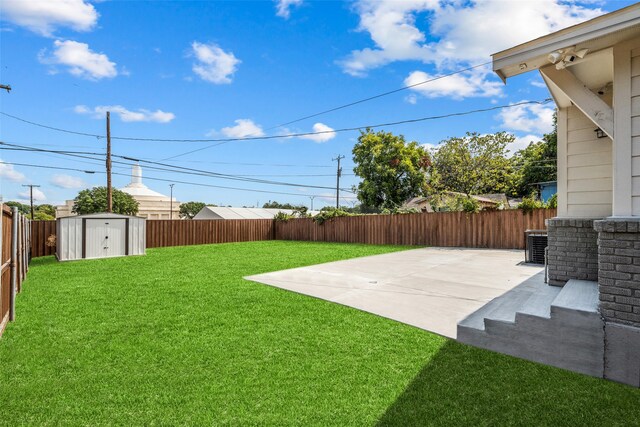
{"x":589,"y":169}
{"x":635,"y":131}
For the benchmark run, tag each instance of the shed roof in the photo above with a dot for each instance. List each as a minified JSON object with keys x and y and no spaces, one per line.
{"x":596,"y":34}
{"x":101,"y":215}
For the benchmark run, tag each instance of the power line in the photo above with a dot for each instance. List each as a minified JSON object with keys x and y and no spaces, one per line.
{"x":349,"y":129}
{"x":51,"y":127}
{"x":299,"y":134}
{"x":166,"y":167}
{"x":164,"y":180}
{"x":360,"y":101}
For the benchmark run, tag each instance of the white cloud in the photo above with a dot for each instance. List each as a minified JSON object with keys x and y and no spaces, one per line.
{"x":326,"y":134}
{"x":140,"y":115}
{"x":532,"y":118}
{"x":457,"y":86}
{"x":67,"y":181}
{"x":244,"y":128}
{"x":213,"y":64}
{"x":523,"y":142}
{"x":468,"y":32}
{"x":283,"y":7}
{"x":44,"y":16}
{"x":538,"y":83}
{"x":80,"y":60}
{"x":38,"y":195}
{"x":8,"y":172}
{"x":450,"y":34}
{"x":411,"y":99}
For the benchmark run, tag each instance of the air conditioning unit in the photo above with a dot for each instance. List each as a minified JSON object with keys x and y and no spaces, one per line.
{"x":536,"y":242}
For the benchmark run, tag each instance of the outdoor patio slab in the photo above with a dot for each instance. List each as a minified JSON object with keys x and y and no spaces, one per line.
{"x":430,"y":288}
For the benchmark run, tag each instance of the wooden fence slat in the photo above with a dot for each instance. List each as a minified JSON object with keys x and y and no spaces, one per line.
{"x":495,"y":230}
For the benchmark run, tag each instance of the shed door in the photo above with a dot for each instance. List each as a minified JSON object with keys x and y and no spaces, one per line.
{"x":105,"y":237}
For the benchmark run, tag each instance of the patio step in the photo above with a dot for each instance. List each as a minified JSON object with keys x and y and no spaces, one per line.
{"x":546,"y":324}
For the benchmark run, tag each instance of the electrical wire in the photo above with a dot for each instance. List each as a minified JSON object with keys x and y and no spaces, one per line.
{"x":349,"y":129}
{"x":360,"y":101}
{"x":166,"y":167}
{"x":30,"y":165}
{"x":300,"y":134}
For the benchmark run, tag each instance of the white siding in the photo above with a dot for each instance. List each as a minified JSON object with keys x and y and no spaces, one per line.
{"x":589,"y":168}
{"x":635,"y":130}
{"x":70,"y":239}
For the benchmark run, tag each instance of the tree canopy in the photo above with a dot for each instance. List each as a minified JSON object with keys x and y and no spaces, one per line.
{"x":392,"y":170}
{"x":190,"y":209}
{"x":537,"y":162}
{"x":278,"y":205}
{"x":42,"y":212}
{"x":473,"y":164}
{"x":95,"y":201}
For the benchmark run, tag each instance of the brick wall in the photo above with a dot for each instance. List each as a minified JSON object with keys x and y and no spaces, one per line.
{"x":619,"y":270}
{"x":573,"y":250}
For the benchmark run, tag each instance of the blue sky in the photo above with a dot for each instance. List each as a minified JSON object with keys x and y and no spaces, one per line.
{"x":210,"y":70}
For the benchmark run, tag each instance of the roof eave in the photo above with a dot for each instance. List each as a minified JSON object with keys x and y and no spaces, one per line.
{"x":506,"y":63}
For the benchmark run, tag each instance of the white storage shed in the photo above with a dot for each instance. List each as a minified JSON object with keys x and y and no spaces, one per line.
{"x":101,"y":235}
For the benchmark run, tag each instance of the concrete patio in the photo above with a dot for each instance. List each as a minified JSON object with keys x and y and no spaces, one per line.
{"x":430,"y":288}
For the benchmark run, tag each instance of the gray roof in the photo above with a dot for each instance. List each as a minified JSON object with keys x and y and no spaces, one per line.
{"x":219,"y":212}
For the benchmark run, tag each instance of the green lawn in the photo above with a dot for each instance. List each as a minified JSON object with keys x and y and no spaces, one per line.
{"x":178,"y":337}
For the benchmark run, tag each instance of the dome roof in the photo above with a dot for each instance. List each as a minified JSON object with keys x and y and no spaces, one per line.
{"x":137,"y":189}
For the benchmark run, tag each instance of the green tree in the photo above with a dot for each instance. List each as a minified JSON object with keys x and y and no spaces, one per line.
{"x":190,"y":209}
{"x":277,"y":205}
{"x":22,"y":208}
{"x":95,"y":201}
{"x":474,"y":164}
{"x":537,"y":163}
{"x":392,"y":170}
{"x":45,"y":211}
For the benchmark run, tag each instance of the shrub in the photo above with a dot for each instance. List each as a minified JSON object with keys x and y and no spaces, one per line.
{"x":530,"y":203}
{"x":282,"y":217}
{"x":552,"y":203}
{"x":328,"y":215}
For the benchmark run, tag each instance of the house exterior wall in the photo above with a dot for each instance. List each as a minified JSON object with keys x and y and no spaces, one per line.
{"x":587,"y":168}
{"x":635,"y":130}
{"x":572,"y":250}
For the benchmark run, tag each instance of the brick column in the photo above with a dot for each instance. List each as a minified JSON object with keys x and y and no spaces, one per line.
{"x":619,"y":270}
{"x":573,"y":250}
{"x":619,"y":285}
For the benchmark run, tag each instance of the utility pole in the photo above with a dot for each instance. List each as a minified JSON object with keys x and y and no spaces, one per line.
{"x":109,"y":190}
{"x":6,"y":87}
{"x":31,"y":196}
{"x":338,"y":175}
{"x":171,"y":199}
{"x":312,"y":197}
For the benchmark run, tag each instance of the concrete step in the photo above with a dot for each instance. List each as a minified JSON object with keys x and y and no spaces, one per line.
{"x":532,"y":297}
{"x":556,"y":326}
{"x":577,"y":295}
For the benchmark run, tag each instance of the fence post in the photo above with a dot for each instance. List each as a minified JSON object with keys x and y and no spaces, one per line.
{"x":14,"y":262}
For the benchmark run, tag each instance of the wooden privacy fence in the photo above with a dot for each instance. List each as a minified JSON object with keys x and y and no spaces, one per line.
{"x":490,"y":229}
{"x":14,"y":243}
{"x":161,"y":233}
{"x":41,"y":231}
{"x":496,"y":230}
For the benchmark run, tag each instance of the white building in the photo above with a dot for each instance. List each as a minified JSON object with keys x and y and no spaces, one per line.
{"x":152,"y":205}
{"x":221,"y":212}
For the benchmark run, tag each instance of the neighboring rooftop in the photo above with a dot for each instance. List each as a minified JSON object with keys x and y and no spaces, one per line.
{"x":219,"y":212}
